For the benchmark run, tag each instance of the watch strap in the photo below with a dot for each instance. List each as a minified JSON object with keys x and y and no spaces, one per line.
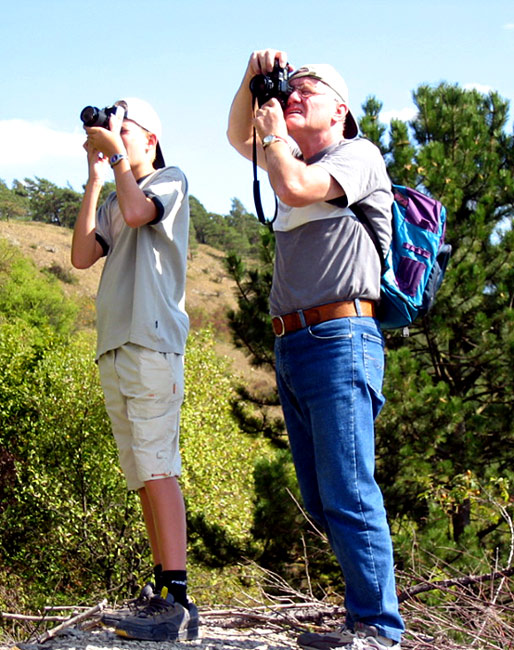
{"x":271,"y":139}
{"x":117,"y":158}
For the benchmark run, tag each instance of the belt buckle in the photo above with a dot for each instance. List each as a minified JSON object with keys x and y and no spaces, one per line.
{"x":283,"y":327}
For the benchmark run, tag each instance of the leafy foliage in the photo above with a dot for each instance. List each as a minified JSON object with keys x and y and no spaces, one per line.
{"x":13,"y":203}
{"x":450,"y":385}
{"x":218,"y":459}
{"x":52,"y":204}
{"x":238,"y":231}
{"x":31,"y":295}
{"x":41,"y":200}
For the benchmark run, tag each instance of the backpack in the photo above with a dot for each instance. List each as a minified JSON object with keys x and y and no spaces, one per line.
{"x":415,"y":264}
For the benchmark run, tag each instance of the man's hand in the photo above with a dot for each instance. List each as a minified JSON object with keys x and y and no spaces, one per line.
{"x":269,"y":119}
{"x":263,"y":61}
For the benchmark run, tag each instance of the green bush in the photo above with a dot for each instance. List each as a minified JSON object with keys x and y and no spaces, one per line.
{"x":218,"y":459}
{"x":68,"y":525}
{"x":69,"y":529}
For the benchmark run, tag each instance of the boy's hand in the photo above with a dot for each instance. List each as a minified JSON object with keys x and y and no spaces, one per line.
{"x":98,"y":164}
{"x":107,"y":141}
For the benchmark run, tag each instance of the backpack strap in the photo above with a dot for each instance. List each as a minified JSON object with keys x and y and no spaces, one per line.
{"x":362,"y":217}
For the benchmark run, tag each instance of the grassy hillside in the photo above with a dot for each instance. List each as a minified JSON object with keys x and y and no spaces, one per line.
{"x":209,"y":290}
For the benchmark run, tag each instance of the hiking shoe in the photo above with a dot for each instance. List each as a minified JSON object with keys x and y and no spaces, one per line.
{"x":368,"y":638}
{"x":340,"y":639}
{"x":365,"y":637}
{"x":111,"y":619}
{"x":194,"y":621}
{"x":161,"y":620}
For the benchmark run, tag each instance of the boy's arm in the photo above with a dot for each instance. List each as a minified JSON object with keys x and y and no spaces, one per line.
{"x":85,"y":249}
{"x":137,"y":209}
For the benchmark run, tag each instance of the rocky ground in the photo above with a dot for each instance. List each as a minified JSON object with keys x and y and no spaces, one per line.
{"x":215,"y":634}
{"x":212,"y":638}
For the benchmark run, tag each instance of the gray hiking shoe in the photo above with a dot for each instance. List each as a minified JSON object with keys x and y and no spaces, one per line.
{"x":365,"y":637}
{"x":368,"y":638}
{"x":111,"y":619}
{"x":343,"y":638}
{"x":162,"y":619}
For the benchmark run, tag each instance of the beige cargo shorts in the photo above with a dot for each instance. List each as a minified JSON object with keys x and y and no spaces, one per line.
{"x":144,"y":391}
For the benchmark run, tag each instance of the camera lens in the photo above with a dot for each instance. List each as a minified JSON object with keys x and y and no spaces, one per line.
{"x":89,"y":115}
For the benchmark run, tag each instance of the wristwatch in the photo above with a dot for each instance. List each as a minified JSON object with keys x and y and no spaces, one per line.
{"x":271,"y":139}
{"x":118,"y":157}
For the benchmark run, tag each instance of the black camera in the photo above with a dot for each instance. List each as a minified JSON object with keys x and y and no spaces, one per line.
{"x":276,"y":84}
{"x":93,"y":116}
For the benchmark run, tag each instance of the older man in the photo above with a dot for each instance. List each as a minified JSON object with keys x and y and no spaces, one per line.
{"x":329,"y":347}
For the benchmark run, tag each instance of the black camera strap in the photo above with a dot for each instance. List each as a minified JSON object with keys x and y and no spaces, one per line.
{"x":257,"y":190}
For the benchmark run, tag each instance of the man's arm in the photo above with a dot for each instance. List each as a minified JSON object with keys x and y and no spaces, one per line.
{"x":294,"y":182}
{"x":240,"y":123}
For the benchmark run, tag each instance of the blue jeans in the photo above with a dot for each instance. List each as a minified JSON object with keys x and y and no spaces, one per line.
{"x":330,"y":385}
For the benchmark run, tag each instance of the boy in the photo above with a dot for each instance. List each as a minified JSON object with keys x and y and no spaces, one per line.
{"x":142,"y":229}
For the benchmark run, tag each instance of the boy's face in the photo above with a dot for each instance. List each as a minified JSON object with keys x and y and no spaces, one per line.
{"x":138,"y":142}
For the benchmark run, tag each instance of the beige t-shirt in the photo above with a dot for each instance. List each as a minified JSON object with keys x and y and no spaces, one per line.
{"x":141,"y":296}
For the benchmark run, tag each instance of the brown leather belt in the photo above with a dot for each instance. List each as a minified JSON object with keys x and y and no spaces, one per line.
{"x":345,"y":309}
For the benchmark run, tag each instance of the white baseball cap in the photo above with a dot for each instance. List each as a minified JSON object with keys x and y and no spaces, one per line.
{"x":328,"y":75}
{"x":140,"y":112}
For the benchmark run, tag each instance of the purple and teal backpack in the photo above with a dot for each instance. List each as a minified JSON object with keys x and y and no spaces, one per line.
{"x":415,"y":264}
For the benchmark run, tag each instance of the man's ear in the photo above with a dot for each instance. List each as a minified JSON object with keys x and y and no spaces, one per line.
{"x":340,"y":112}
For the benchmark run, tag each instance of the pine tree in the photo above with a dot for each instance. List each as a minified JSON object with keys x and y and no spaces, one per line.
{"x":450,"y":385}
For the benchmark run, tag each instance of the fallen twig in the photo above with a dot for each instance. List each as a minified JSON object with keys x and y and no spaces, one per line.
{"x":27,"y":617}
{"x":455,"y":582}
{"x":72,"y":621}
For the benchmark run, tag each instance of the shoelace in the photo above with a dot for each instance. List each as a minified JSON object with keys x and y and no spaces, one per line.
{"x":362,"y":643}
{"x":156,"y":605}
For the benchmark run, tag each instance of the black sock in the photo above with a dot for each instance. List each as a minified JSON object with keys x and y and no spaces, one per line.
{"x":157,"y":574}
{"x":176,"y":582}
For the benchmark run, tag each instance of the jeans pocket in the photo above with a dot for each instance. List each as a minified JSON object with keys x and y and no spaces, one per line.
{"x":331,"y":329}
{"x":373,"y":358}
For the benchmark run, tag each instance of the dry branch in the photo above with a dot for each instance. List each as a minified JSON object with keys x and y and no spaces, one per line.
{"x":26,"y":617}
{"x":72,"y":621}
{"x":455,"y":582}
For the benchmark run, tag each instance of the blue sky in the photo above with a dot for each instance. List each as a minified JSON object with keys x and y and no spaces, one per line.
{"x":187,"y":58}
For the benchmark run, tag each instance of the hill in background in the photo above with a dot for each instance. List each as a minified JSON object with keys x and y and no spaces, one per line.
{"x":210,"y":292}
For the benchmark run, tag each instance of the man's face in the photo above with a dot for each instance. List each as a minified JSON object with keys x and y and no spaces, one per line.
{"x":312,"y":105}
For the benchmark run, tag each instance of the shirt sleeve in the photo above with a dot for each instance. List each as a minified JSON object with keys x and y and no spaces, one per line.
{"x":358,"y":167}
{"x":102,"y":228}
{"x":168,"y":190}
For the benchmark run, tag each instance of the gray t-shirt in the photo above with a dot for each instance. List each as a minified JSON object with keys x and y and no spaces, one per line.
{"x":141,"y":296}
{"x":323,"y":252}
